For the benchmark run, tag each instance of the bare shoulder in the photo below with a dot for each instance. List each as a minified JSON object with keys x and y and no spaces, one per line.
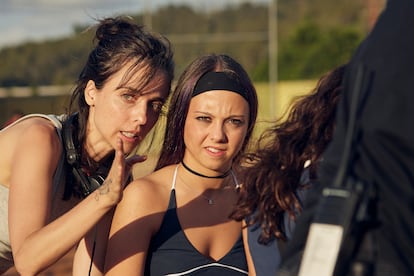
{"x":144,"y":203}
{"x":151,"y":191}
{"x":24,"y":142}
{"x":34,"y":129}
{"x":40,"y":134}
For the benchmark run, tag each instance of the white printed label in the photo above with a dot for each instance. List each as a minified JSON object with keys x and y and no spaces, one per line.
{"x":321,"y":251}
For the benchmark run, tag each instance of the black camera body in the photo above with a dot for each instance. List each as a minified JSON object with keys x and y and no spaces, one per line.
{"x":343,"y":216}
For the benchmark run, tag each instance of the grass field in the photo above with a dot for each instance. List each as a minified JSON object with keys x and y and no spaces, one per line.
{"x":284,"y":93}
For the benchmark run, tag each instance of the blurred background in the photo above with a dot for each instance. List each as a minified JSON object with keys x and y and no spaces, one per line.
{"x":285,"y":45}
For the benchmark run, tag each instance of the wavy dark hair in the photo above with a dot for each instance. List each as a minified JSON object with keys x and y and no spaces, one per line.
{"x":273,"y":172}
{"x":118,"y":41}
{"x":173,"y":147}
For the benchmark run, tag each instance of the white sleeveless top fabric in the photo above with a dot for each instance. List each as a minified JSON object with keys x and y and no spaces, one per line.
{"x":6,"y":257}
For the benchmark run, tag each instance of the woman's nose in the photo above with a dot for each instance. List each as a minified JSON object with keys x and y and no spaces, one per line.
{"x":217,"y":133}
{"x":139,"y":113}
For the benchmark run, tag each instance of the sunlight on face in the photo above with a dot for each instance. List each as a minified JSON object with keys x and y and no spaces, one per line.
{"x":121,"y":110}
{"x":215,"y":129}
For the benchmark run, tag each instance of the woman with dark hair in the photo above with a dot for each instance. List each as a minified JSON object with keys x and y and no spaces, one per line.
{"x":57,"y":183}
{"x":280,"y":170}
{"x":176,"y":220}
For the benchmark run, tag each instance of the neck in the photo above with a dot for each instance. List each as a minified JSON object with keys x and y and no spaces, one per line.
{"x":202,"y":175}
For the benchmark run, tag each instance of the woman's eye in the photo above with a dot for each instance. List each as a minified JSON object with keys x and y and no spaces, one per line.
{"x":128,"y":97}
{"x":203,"y":118}
{"x":236,"y":122}
{"x":157,"y":106}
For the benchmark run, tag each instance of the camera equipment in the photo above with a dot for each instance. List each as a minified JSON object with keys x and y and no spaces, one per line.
{"x":88,"y":183}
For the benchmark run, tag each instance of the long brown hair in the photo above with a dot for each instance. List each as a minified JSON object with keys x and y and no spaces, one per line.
{"x":173,"y":147}
{"x":273,"y":172}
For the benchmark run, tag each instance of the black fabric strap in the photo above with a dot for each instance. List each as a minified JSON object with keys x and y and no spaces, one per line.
{"x":205,"y":176}
{"x":219,"y":81}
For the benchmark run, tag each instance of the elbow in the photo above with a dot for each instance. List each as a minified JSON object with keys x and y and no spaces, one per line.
{"x":24,"y":266}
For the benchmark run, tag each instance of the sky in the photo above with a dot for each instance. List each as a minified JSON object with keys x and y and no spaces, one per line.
{"x":36,"y":20}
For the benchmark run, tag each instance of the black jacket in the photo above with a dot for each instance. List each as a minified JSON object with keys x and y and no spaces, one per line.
{"x":384,"y":151}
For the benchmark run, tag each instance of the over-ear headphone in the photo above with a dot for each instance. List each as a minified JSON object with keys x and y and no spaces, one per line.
{"x":88,"y":183}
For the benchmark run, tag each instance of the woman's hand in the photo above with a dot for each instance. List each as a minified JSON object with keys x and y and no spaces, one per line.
{"x":118,"y":175}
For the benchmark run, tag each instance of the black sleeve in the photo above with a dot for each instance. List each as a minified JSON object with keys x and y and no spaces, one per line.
{"x":384,"y":152}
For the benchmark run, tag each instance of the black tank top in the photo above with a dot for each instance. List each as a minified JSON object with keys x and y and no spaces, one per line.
{"x":171,"y":253}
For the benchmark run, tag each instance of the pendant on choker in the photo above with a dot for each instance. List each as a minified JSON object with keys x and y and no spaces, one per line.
{"x":210,"y":201}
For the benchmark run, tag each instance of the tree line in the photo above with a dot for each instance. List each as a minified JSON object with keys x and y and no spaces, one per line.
{"x":313,"y":37}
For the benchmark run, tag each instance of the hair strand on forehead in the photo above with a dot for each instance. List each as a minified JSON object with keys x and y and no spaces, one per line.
{"x":120,"y":42}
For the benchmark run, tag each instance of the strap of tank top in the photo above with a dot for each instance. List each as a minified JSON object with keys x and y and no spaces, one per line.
{"x":174,"y":178}
{"x":236,"y":182}
{"x":57,"y":121}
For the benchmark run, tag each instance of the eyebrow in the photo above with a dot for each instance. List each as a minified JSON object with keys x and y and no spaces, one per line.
{"x":139,"y":92}
{"x":135,"y":90}
{"x":210,"y":114}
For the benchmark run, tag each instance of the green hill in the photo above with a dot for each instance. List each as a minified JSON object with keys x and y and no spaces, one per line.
{"x":313,"y":37}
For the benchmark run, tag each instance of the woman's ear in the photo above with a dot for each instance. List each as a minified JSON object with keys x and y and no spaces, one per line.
{"x":90,"y":93}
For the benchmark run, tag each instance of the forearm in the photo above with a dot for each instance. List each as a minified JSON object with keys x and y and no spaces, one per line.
{"x":47,"y":245}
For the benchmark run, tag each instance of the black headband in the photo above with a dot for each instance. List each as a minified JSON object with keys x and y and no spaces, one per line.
{"x":219,"y":81}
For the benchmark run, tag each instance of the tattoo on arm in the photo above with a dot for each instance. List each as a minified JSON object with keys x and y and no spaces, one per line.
{"x":103,"y":189}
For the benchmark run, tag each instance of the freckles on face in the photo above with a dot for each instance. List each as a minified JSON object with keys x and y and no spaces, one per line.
{"x":216,"y":124}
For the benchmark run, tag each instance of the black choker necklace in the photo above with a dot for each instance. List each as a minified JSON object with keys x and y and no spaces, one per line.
{"x":206,"y":176}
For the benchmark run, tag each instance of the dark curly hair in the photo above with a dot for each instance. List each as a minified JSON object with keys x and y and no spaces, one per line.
{"x":273,"y":172}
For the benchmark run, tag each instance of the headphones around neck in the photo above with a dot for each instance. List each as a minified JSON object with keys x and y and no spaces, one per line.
{"x":88,"y":183}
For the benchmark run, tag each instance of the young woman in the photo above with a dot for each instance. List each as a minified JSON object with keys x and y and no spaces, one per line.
{"x":281,"y":169}
{"x":49,"y":163}
{"x":176,"y":220}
